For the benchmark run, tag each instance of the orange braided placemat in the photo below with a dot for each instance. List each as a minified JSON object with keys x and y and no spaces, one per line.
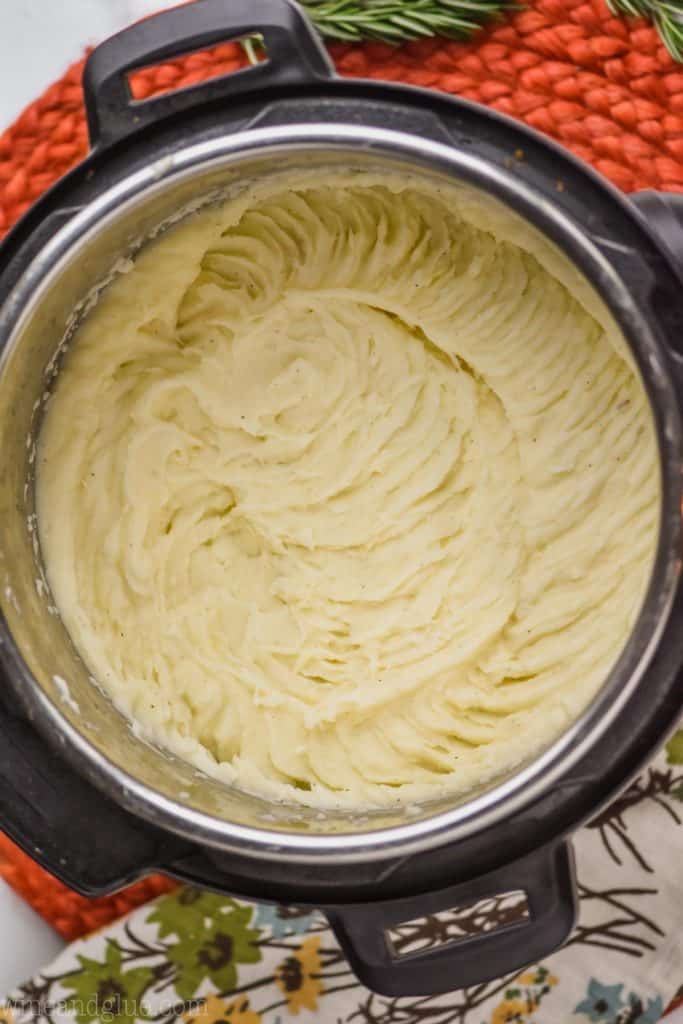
{"x":604,"y":87}
{"x":70,"y":914}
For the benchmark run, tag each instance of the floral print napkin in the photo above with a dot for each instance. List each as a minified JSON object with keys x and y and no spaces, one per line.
{"x":194,"y":957}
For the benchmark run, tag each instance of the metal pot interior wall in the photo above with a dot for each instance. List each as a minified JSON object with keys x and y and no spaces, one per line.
{"x":62,"y":284}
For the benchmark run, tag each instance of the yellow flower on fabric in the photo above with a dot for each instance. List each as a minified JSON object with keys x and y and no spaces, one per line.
{"x":536,"y":976}
{"x":299,"y":976}
{"x":220,"y":1011}
{"x":525,"y":995}
{"x":239,"y":1012}
{"x":510,"y":1011}
{"x":528,"y":978}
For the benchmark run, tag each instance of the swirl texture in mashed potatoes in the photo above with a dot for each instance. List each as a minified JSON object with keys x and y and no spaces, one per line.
{"x":348,"y":492}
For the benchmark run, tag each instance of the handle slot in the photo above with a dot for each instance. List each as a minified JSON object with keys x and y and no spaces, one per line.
{"x":295,"y":57}
{"x":235,"y":55}
{"x":546,"y":877}
{"x":448,"y":928}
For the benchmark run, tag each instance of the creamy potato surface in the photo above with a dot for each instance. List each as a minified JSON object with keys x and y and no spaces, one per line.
{"x":348,"y":492}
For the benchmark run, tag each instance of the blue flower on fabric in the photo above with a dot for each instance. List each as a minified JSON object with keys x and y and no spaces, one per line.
{"x":639,"y":1015}
{"x":602,"y":1003}
{"x":284,"y":921}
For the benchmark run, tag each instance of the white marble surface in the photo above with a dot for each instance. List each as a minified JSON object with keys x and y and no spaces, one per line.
{"x":40,"y":38}
{"x":27,"y":942}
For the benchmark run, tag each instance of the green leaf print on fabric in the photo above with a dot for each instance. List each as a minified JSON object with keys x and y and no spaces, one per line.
{"x":105,"y":991}
{"x":674,"y":748}
{"x":213,"y":935}
{"x":187,"y":906}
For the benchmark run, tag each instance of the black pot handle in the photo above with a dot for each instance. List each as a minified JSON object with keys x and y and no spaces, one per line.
{"x":61,"y":820}
{"x":295,"y":55}
{"x":663,"y":214}
{"x":545,"y":876}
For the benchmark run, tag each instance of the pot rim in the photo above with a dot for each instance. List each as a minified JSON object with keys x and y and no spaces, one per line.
{"x":535,"y":779}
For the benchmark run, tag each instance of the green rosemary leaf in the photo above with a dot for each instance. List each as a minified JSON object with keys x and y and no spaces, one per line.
{"x":400,"y":20}
{"x":667,"y":16}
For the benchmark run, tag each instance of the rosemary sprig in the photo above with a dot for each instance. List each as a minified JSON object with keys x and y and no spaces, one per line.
{"x":667,"y":16}
{"x":396,"y":21}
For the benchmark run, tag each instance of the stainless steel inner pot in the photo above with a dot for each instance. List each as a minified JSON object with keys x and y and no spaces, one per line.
{"x":55,"y":291}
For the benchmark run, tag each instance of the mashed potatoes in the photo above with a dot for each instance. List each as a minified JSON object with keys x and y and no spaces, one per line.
{"x":344,"y":495}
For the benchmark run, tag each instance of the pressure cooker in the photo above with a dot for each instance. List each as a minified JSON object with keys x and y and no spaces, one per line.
{"x":81,"y":791}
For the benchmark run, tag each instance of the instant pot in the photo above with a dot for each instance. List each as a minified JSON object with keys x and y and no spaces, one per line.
{"x":80,"y":791}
